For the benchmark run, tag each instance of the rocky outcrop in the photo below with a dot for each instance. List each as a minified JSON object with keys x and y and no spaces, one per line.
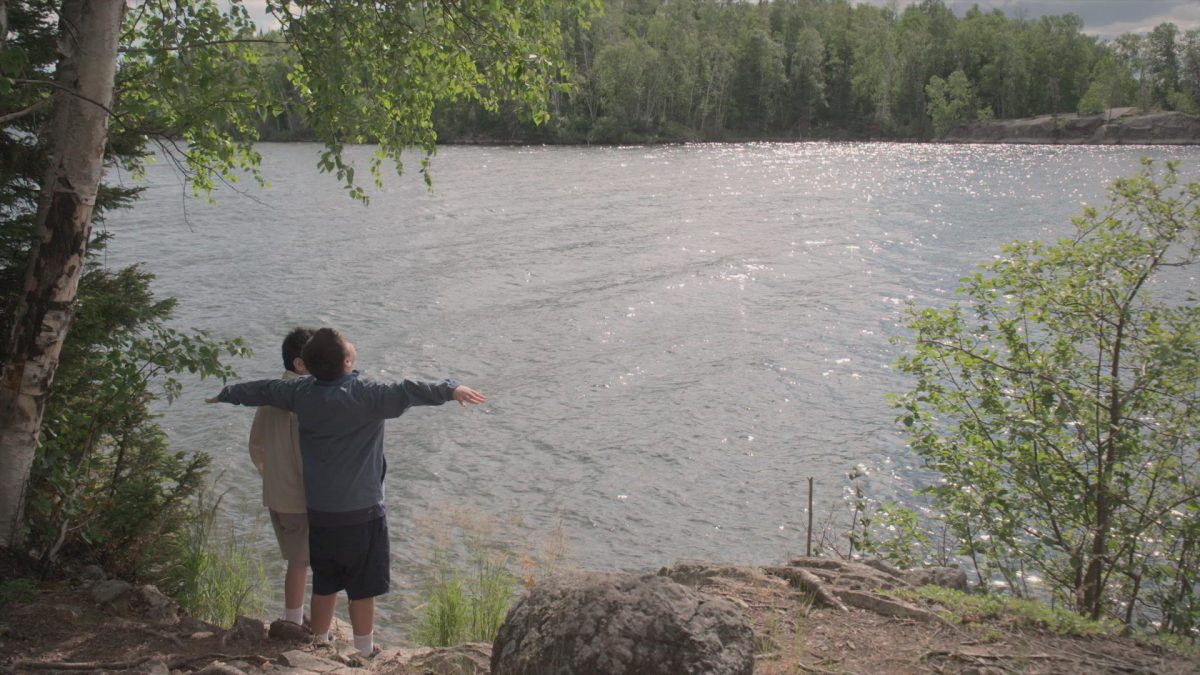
{"x":470,"y":658}
{"x":146,"y":602}
{"x":1120,"y":126}
{"x":810,"y":615}
{"x":610,"y":623}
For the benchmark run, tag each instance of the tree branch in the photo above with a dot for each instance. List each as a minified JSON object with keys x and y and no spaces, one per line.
{"x":68,"y":90}
{"x":14,"y":116}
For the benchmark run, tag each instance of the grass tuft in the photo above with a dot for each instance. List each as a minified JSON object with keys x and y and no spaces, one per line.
{"x":215,"y":578}
{"x":465,"y":606}
{"x":966,"y":607}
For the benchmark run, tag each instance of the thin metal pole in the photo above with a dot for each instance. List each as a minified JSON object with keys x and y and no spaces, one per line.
{"x":808,"y":544}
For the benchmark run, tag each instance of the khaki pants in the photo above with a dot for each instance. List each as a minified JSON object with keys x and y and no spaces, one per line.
{"x":291,"y":531}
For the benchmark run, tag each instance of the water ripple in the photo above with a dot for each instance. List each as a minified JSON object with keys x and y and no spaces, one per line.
{"x":672,"y":338}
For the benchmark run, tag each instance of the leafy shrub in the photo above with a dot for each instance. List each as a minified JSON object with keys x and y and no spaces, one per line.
{"x":105,"y":485}
{"x":888,"y":530}
{"x":1061,"y":409}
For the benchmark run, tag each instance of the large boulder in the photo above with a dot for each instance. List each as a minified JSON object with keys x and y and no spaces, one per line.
{"x":593,"y":623}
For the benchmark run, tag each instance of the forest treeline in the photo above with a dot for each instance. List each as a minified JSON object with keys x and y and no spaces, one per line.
{"x":668,"y":70}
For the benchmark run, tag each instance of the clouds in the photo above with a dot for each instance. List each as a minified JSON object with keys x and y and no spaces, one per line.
{"x":1104,"y":18}
{"x":1185,"y":15}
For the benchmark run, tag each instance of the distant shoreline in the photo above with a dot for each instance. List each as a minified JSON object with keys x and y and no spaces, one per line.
{"x":1120,"y":126}
{"x":1116,"y":127}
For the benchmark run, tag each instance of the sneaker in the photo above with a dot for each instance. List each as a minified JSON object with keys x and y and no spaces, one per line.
{"x":282,"y":629}
{"x":325,"y":641}
{"x":359,"y":660}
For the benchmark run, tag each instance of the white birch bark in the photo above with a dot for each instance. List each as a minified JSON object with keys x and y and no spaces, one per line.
{"x":89,"y":33}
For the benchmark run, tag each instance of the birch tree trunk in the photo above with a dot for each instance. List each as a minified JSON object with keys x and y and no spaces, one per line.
{"x":89,"y":32}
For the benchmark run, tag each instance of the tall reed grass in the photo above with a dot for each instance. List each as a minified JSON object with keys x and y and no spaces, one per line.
{"x":214,"y":576}
{"x":465,"y":605}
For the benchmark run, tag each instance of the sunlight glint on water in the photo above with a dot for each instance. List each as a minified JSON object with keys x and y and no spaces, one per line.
{"x":673,"y":338}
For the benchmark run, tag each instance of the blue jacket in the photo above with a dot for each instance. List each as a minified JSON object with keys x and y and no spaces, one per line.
{"x":341,"y":435}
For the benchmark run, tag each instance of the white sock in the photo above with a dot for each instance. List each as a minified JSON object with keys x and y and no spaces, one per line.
{"x":293,"y":615}
{"x":365,"y":644}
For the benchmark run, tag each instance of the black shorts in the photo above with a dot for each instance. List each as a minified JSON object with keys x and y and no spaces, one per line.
{"x":350,"y":557}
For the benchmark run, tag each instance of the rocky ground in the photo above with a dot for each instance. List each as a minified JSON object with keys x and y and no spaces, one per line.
{"x":809,"y":616}
{"x":818,"y":615}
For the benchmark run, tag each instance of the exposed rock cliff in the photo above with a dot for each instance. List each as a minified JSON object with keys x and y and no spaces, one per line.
{"x":1119,"y":126}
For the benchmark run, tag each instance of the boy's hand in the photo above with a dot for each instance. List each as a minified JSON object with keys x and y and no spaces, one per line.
{"x":465,"y":395}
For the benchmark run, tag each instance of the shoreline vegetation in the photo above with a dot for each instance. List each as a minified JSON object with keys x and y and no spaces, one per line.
{"x":1118,"y":126}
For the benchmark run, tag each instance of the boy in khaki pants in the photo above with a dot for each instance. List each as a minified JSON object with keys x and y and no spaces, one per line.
{"x":275,"y":451}
{"x":341,"y":418}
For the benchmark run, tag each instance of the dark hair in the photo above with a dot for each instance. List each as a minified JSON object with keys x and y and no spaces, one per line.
{"x":325,"y":354}
{"x":293,"y":344}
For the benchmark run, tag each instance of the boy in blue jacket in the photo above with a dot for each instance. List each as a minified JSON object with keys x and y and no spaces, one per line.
{"x":341,"y":416}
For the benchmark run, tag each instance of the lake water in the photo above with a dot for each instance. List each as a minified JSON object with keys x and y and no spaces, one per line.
{"x":673,"y":339}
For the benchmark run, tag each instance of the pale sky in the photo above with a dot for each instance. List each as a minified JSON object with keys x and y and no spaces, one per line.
{"x":1105,"y":18}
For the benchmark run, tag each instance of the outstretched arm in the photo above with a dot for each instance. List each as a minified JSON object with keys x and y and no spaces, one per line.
{"x":393,"y":399}
{"x":278,"y":393}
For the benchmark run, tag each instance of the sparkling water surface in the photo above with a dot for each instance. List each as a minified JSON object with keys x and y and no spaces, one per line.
{"x":673,"y":339}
